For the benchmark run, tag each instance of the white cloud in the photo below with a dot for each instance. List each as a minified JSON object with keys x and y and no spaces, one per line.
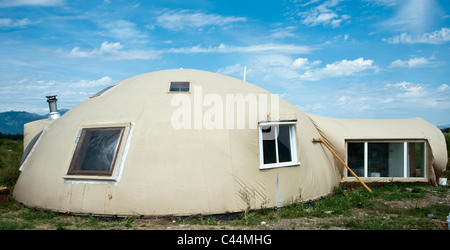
{"x":385,"y":2}
{"x":179,"y":19}
{"x":394,"y":100}
{"x":117,"y":51}
{"x":283,"y":32}
{"x":408,"y":89}
{"x":304,"y":63}
{"x":124,"y":30}
{"x":314,"y":108}
{"x":113,"y":51}
{"x":309,"y":2}
{"x":104,"y":81}
{"x":339,"y":68}
{"x":301,"y":63}
{"x":11,"y":23}
{"x":418,"y":96}
{"x":265,"y":67}
{"x":261,"y":48}
{"x":31,"y":92}
{"x":443,"y":87}
{"x":236,"y":69}
{"x":343,"y":100}
{"x":411,"y":63}
{"x":12,"y":3}
{"x":436,"y":37}
{"x":315,"y":18}
{"x":323,"y":15}
{"x":412,"y":15}
{"x":276,"y":67}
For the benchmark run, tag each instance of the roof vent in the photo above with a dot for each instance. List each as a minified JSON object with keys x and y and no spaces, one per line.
{"x":54,"y":114}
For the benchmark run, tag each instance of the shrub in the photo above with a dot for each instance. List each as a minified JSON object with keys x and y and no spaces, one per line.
{"x":10,"y":158}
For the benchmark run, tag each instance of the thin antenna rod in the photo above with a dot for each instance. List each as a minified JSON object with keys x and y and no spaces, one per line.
{"x":245,"y":72}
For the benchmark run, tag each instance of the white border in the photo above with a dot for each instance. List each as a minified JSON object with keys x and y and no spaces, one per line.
{"x":293,"y":142}
{"x":405,"y":157}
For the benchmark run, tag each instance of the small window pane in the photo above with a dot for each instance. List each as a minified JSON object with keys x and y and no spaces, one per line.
{"x":386,"y":160}
{"x":284,"y":144}
{"x":269,"y":151}
{"x":179,"y":87}
{"x":355,"y":160}
{"x":416,"y":159}
{"x":96,"y":151}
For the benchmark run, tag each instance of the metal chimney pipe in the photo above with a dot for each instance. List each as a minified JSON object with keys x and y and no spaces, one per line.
{"x":54,"y":114}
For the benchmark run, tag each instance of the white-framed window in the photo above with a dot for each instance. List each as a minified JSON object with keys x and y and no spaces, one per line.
{"x":402,"y":159}
{"x":277,"y":145}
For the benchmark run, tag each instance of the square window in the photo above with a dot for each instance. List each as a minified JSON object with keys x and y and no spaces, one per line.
{"x":179,"y":87}
{"x":96,"y":151}
{"x":277,"y":145}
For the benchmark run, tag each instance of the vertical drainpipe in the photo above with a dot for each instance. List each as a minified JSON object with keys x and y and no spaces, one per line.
{"x":54,"y":114}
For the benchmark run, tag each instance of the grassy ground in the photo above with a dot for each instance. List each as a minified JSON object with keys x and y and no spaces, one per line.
{"x":392,"y":207}
{"x":10,"y":157}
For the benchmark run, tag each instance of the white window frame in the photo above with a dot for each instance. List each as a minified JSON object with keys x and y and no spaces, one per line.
{"x":293,"y":144}
{"x":406,"y":165}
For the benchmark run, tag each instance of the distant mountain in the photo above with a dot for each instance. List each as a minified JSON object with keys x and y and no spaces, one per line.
{"x":444,"y":126}
{"x":12,"y":122}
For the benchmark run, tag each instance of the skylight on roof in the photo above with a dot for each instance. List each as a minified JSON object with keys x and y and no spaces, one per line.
{"x":101,"y":92}
{"x":179,"y":87}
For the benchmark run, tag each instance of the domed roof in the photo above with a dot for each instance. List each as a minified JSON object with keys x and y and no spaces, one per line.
{"x":183,"y":142}
{"x":175,"y":142}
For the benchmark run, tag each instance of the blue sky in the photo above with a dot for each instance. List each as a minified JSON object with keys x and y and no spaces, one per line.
{"x":338,"y":58}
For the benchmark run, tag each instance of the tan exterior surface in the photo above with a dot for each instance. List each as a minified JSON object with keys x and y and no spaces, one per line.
{"x":337,"y":131}
{"x":168,"y":171}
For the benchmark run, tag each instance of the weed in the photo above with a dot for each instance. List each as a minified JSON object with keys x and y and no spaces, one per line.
{"x":399,"y":192}
{"x":128,"y":220}
{"x":292,"y":211}
{"x":61,"y":225}
{"x":10,"y":157}
{"x":264,"y":210}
